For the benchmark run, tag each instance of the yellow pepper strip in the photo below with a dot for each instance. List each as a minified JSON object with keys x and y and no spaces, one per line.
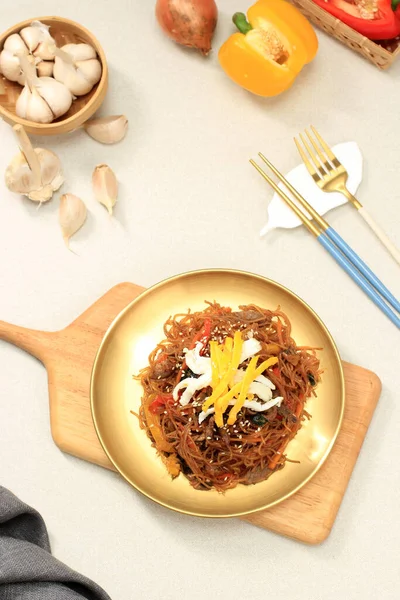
{"x":236,"y":354}
{"x":224,"y":400}
{"x":228,"y":363}
{"x":214,"y":364}
{"x":270,"y":362}
{"x":247,"y":379}
{"x":250,"y":375}
{"x":271,"y":49}
{"x":220,"y":389}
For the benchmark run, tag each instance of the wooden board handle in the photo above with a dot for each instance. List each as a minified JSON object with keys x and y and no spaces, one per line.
{"x":35,"y":342}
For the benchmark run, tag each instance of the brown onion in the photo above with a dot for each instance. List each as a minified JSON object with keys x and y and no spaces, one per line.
{"x":189,"y":22}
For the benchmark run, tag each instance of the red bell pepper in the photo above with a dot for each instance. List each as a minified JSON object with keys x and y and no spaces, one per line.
{"x":159,"y":403}
{"x":203,"y":335}
{"x":375,"y":19}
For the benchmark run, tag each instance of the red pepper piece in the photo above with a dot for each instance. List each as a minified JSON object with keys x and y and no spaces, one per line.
{"x":159,"y":403}
{"x":277,"y":372}
{"x":203,"y":335}
{"x":384,"y":23}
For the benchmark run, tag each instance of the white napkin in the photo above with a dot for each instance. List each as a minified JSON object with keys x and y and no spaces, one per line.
{"x":280,"y":215}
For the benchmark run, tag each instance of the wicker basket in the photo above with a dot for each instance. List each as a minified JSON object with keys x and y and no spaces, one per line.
{"x":382,"y":54}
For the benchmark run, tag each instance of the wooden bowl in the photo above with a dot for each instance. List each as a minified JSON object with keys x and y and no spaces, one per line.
{"x":64,"y":32}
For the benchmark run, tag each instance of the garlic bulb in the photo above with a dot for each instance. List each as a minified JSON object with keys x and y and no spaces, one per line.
{"x":35,"y":173}
{"x":83,"y":73}
{"x":10,"y":67}
{"x":107,"y":130}
{"x":72,"y":215}
{"x":105,"y":186}
{"x":33,"y":42}
{"x":43,"y":99}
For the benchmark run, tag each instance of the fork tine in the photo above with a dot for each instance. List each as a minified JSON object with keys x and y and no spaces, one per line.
{"x":322,"y":157}
{"x":325,"y":146}
{"x":314,"y":157}
{"x":309,"y":166}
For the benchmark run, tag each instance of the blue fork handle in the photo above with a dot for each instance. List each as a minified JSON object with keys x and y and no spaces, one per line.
{"x":357,"y":277}
{"x":363,"y":268}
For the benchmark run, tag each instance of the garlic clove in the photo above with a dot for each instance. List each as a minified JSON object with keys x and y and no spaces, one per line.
{"x":51,"y":169}
{"x":31,"y":106}
{"x":90,"y":69}
{"x":80,"y":51}
{"x":45,"y":50}
{"x":9,"y":66}
{"x":107,"y":130}
{"x":21,"y":107}
{"x":105,"y":186}
{"x":15,"y":44}
{"x":56,"y":94}
{"x":32,"y":37}
{"x":18,"y":176}
{"x":43,"y":195}
{"x":72,"y":215}
{"x":71,"y":77}
{"x":45,"y":68}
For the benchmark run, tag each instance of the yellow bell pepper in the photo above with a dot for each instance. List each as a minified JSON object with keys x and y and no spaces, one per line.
{"x":271,"y":48}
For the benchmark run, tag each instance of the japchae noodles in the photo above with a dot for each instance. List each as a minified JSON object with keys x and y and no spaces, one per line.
{"x":224,"y":394}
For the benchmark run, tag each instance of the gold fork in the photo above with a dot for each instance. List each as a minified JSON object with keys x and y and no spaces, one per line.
{"x":331,"y":176}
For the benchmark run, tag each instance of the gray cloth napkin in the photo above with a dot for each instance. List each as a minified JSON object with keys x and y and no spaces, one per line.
{"x":28,"y":571}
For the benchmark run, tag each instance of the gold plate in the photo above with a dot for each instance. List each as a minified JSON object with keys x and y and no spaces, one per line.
{"x":124,"y":351}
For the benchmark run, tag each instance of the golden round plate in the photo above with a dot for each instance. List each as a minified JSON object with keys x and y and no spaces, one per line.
{"x":124,"y":351}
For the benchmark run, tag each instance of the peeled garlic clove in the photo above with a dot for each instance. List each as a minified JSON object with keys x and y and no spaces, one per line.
{"x":57,"y":95}
{"x":45,"y":68}
{"x":72,"y":215}
{"x":107,"y":130}
{"x":32,"y":37}
{"x":15,"y":44}
{"x":105,"y":186}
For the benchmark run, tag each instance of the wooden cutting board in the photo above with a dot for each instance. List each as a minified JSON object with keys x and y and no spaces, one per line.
{"x":68,"y":356}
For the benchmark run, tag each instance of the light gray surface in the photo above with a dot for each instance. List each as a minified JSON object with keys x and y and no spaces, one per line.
{"x":188,"y":200}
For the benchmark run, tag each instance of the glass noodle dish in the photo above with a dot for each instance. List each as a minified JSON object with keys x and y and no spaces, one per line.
{"x":224,"y":393}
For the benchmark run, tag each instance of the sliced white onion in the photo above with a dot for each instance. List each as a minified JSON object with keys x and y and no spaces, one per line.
{"x":249,"y":349}
{"x":196,"y":363}
{"x":192,"y":386}
{"x":239,"y":375}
